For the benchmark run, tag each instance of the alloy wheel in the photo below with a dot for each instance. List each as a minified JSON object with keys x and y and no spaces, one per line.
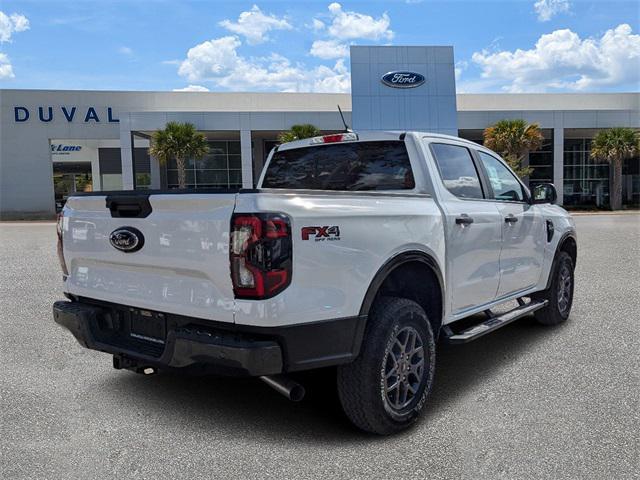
{"x":404,"y":366}
{"x":564,"y":290}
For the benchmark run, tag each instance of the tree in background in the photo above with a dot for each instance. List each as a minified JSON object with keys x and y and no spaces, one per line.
{"x":614,"y":146}
{"x":179,"y":141}
{"x":298,"y":132}
{"x":513,"y":140}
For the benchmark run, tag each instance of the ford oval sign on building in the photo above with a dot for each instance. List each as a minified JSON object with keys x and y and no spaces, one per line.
{"x":403,"y":79}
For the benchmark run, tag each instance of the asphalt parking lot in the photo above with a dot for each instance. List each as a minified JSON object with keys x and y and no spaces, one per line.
{"x":524,"y":402}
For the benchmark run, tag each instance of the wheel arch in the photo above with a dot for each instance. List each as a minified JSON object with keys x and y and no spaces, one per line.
{"x":398,"y":275}
{"x":568,"y":244}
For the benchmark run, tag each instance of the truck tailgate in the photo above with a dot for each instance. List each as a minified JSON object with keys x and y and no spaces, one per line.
{"x":182,"y":268}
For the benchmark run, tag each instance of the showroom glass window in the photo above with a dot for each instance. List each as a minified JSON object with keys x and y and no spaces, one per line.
{"x":631,"y":182}
{"x":220,"y":168}
{"x":541,"y":161}
{"x":141,"y":168}
{"x":457,"y":170}
{"x":586,"y":181}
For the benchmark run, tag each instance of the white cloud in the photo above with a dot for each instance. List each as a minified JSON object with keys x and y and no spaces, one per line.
{"x":460,"y":67}
{"x":218,"y":61}
{"x":562,"y":60}
{"x":6,"y":70}
{"x":210,"y":59}
{"x":125,"y":51}
{"x":10,"y":24}
{"x":547,"y":9}
{"x":331,"y":80}
{"x":347,"y":25}
{"x":327,"y":49}
{"x":254,"y":25}
{"x":192,"y":88}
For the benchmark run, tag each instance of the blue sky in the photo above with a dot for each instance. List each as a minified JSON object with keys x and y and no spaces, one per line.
{"x":500,"y":46}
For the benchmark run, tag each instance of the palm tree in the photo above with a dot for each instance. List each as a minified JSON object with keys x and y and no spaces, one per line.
{"x":513,"y":140}
{"x":298,"y":132}
{"x":179,"y":141}
{"x":614,"y":146}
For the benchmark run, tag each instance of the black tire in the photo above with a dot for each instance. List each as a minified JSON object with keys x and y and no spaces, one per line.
{"x":559,"y":294}
{"x":364,"y":385}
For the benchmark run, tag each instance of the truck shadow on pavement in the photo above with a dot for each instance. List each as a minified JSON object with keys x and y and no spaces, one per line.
{"x":248,"y":407}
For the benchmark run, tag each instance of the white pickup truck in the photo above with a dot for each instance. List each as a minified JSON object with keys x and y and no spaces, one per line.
{"x":358,"y":251}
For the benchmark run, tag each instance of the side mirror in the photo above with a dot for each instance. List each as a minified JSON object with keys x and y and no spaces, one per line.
{"x":545,"y":193}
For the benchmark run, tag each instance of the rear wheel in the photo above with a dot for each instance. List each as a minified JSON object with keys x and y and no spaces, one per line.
{"x":384,"y":390}
{"x":559,"y":294}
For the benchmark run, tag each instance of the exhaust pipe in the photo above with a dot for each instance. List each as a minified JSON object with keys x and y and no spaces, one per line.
{"x":285,"y":386}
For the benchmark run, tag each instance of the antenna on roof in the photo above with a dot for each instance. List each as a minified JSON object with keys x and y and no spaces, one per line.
{"x":346,"y":127}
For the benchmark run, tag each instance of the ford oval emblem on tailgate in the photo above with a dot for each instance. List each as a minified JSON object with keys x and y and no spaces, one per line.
{"x":127,"y":239}
{"x":403,"y":79}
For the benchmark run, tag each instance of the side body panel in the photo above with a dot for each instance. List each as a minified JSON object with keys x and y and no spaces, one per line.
{"x":563,"y":225}
{"x":473,"y":251}
{"x":523,"y":247}
{"x":523,"y":256}
{"x":527,"y":253}
{"x":183,"y":267}
{"x":331,"y":274}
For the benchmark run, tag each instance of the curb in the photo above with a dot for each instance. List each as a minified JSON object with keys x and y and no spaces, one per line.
{"x":625,"y":212}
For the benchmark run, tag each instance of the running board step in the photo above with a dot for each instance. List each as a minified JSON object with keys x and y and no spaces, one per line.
{"x":494,"y":323}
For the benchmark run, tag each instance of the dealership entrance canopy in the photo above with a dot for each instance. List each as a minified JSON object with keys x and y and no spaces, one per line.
{"x":54,"y":143}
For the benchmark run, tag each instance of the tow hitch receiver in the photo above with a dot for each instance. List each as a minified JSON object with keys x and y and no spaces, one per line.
{"x":120,"y":362}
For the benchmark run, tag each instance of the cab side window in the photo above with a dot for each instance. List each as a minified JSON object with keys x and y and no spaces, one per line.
{"x":457,"y":170}
{"x":505,"y":185}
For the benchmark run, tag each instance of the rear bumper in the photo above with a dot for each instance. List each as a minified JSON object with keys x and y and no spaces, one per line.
{"x":203,"y":347}
{"x":184,"y":347}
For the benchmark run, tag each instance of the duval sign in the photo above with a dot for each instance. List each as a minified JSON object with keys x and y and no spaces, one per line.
{"x":47,"y":114}
{"x":403,"y":79}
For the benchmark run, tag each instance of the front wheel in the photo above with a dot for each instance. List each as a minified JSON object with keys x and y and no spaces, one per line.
{"x":384,"y":390}
{"x":559,"y":294}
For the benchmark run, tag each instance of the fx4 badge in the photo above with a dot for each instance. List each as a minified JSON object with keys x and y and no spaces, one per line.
{"x":321,"y":233}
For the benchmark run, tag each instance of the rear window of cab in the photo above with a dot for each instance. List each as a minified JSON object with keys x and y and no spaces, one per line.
{"x":353,"y":166}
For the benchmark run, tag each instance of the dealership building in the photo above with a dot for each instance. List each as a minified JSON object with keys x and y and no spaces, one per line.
{"x":56,"y":142}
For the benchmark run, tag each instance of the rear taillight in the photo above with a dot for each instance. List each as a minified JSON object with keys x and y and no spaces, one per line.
{"x":59,"y":230}
{"x":260,"y":253}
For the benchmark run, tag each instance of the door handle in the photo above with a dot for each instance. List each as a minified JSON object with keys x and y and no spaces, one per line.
{"x":511,"y":218}
{"x":464,"y":219}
